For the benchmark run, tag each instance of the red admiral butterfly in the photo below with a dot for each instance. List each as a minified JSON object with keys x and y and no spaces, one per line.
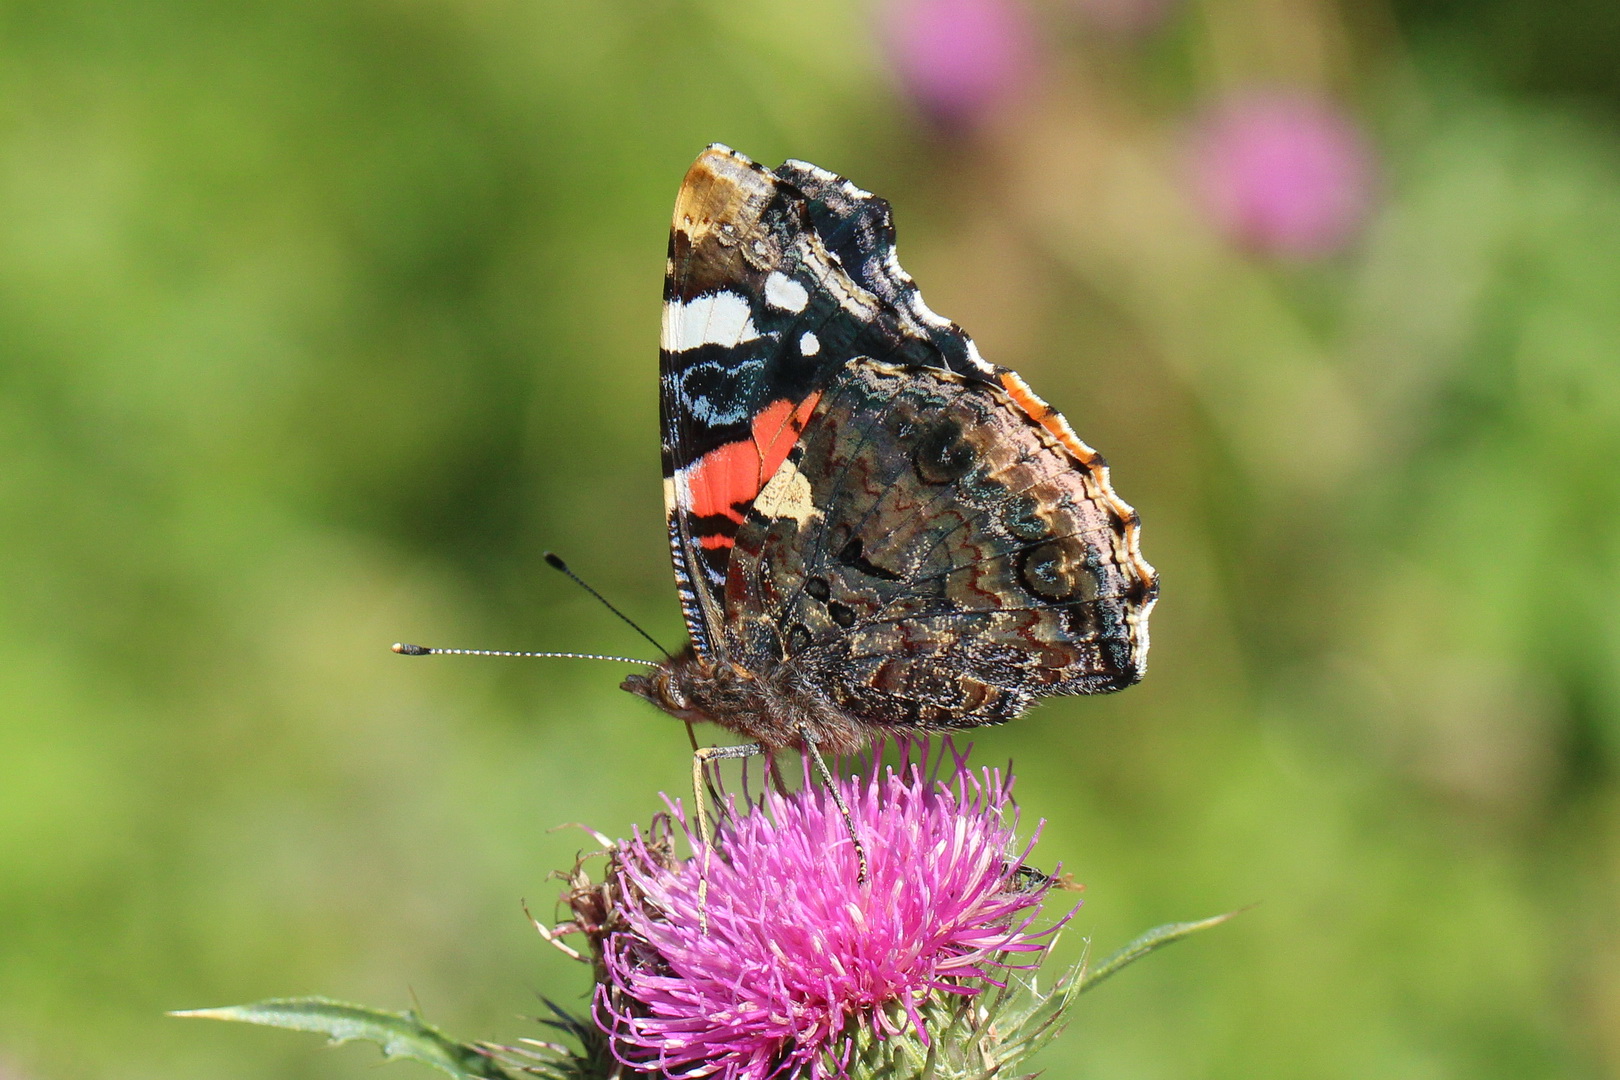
{"x":873,"y":528}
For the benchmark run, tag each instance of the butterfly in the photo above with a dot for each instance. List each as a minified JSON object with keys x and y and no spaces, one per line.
{"x":874,"y":530}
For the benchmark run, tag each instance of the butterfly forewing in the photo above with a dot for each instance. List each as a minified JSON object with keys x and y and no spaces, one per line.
{"x":758,"y":316}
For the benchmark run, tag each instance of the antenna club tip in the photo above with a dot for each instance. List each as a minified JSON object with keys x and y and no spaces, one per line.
{"x":554,"y":561}
{"x":411,"y":650}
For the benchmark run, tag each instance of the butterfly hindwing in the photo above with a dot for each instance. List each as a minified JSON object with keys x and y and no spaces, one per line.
{"x":929,"y":555}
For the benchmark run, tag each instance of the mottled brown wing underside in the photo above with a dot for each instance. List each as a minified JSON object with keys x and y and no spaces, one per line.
{"x":931,"y":555}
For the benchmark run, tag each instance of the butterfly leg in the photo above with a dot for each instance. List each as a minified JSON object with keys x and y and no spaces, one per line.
{"x":700,"y":760}
{"x":838,"y":800}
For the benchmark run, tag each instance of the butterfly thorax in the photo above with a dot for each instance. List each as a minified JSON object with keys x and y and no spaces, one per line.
{"x":775,"y":708}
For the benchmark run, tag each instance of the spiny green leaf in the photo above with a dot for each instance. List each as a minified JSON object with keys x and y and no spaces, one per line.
{"x":1156,"y":938}
{"x":401,"y":1035}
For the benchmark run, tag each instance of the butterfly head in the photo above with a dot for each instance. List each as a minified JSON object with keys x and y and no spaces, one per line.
{"x":666,"y":686}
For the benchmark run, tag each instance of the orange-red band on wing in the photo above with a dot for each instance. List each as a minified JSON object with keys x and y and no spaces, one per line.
{"x":725,"y":480}
{"x":777,"y":429}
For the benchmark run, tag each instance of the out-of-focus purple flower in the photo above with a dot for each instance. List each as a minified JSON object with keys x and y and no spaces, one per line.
{"x":959,"y":60}
{"x":789,"y":960}
{"x":1282,"y":173}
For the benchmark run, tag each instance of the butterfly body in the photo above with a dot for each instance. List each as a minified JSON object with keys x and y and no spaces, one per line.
{"x":873,"y":528}
{"x":774,"y":706}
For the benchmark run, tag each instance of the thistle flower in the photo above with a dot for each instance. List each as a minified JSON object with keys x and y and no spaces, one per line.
{"x":959,"y":61}
{"x":792,"y":966}
{"x":769,"y":956}
{"x":1282,"y":173}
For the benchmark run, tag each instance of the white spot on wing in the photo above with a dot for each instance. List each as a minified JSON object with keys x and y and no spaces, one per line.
{"x":809,"y":344}
{"x":720,"y":318}
{"x":787,"y":495}
{"x":784,"y":293}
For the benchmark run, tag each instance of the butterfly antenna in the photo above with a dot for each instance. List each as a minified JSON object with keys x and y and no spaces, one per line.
{"x":556,"y":563}
{"x":423,"y":650}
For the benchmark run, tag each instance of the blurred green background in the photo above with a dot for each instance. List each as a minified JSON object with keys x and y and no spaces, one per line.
{"x":319,"y":322}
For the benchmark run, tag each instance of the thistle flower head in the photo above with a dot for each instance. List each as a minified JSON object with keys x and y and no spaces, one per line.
{"x":1282,"y":173}
{"x":788,"y":964}
{"x":959,"y":61}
